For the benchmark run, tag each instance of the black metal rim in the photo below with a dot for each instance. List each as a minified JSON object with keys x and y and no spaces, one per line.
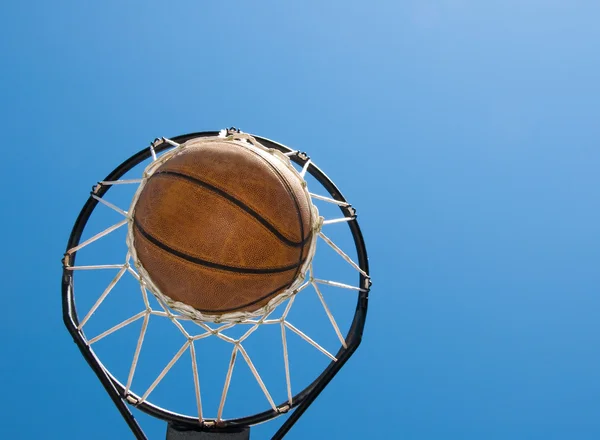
{"x":300,"y":401}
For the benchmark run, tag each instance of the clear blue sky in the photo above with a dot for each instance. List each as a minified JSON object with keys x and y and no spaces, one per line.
{"x":465,"y":132}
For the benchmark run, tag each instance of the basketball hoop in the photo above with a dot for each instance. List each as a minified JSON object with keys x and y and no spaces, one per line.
{"x":195,"y":325}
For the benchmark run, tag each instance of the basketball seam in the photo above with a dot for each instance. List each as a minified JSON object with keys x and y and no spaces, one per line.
{"x":237,"y":308}
{"x":243,"y":306}
{"x":293,"y":196}
{"x":210,"y":181}
{"x":207,"y":263}
{"x":238,"y":203}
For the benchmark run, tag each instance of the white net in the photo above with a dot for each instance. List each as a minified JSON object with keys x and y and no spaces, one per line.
{"x":236,"y":330}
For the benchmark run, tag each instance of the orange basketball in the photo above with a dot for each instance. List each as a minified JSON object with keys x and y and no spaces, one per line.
{"x":222,"y":226}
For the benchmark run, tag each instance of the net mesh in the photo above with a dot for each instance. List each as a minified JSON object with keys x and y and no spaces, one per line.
{"x":210,"y":327}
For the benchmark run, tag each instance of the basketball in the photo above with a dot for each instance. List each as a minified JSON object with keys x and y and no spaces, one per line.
{"x":222,"y":226}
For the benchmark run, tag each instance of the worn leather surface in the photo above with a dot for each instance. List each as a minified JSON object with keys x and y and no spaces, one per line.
{"x":221,"y":227}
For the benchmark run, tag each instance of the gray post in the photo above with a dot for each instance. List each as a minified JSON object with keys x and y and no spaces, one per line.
{"x":178,"y":432}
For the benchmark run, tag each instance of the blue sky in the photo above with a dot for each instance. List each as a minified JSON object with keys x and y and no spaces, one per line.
{"x":464,"y":132}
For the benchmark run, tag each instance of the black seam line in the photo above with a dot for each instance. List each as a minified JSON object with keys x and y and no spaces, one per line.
{"x":238,"y":203}
{"x":195,"y":260}
{"x":241,"y":306}
{"x":293,"y":196}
